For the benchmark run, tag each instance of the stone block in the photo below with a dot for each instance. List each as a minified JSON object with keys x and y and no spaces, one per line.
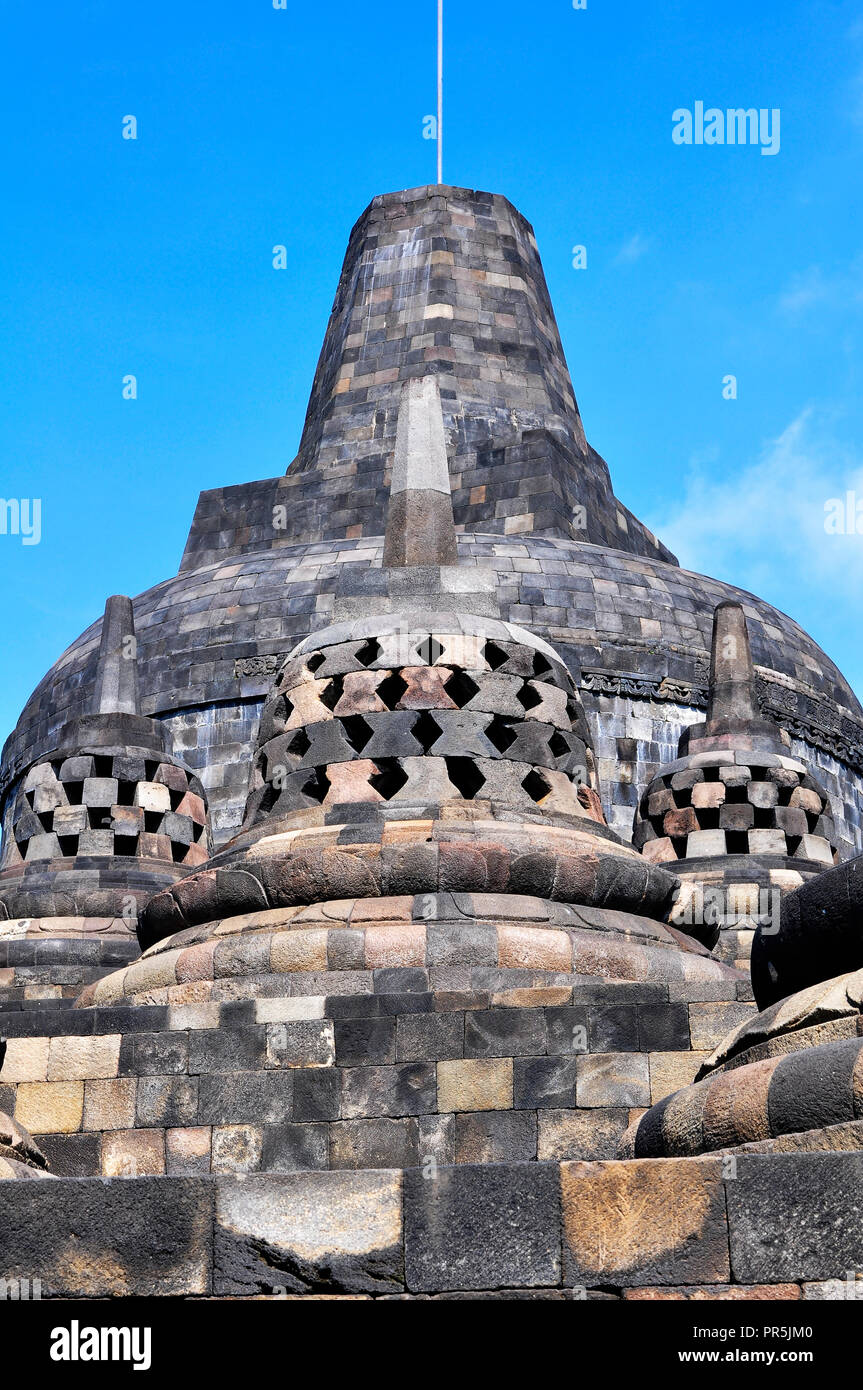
{"x":710,"y":1023}
{"x":429,"y":1037}
{"x":306,"y":1043}
{"x":110,"y":1104}
{"x":475,"y":1085}
{"x":228,"y":1049}
{"x":305,"y":1232}
{"x":164,"y":1101}
{"x":541,"y":1083}
{"x":50,"y":1107}
{"x":644,"y":1222}
{"x":115,"y":1253}
{"x":614,"y":1029}
{"x":481,"y":1227}
{"x":78,"y":1059}
{"x":317,"y":1093}
{"x":495,"y":1136}
{"x":406,"y":1089}
{"x":187,"y":1152}
{"x":671,"y":1071}
{"x":363,"y":1041}
{"x":584,"y":1134}
{"x":613,"y":1079}
{"x":236,"y":1149}
{"x":567,"y":1030}
{"x":290,"y":1148}
{"x":133,"y":1153}
{"x":25,"y":1059}
{"x":155,"y":1054}
{"x":504,"y":1033}
{"x":663,"y":1027}
{"x":796,"y":1217}
{"x":257,"y":1097}
{"x":374,"y":1143}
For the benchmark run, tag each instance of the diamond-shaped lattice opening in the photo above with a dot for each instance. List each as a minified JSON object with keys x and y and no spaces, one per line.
{"x":426,"y":731}
{"x":429,"y":650}
{"x":460,"y":688}
{"x":74,"y":792}
{"x":557,"y":745}
{"x":500,"y":733}
{"x":317,"y":785}
{"x":369,"y":652}
{"x":69,"y":845}
{"x":391,"y":689}
{"x":528,"y":698}
{"x":315,"y":661}
{"x":47,"y":819}
{"x":300,"y":743}
{"x":332,"y":692}
{"x":494,"y":655}
{"x":123,"y":844}
{"x":465,"y":776}
{"x":536,"y":786}
{"x":541,"y":667}
{"x":389,"y":778}
{"x":357,"y":731}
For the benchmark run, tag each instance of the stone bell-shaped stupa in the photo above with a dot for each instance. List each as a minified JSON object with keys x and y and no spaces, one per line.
{"x":97,"y":826}
{"x":423,"y":810}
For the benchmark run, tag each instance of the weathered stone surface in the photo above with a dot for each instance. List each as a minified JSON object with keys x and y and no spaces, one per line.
{"x":644,"y":1223}
{"x":89,"y":1239}
{"x":309,"y":1231}
{"x":796,"y":1216}
{"x":482,"y":1226}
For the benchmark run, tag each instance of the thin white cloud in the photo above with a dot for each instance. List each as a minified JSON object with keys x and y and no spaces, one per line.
{"x":841,"y":289}
{"x":632,"y":250}
{"x":764,"y":530}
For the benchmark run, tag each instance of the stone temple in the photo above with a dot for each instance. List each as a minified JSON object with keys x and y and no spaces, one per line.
{"x":433,"y":890}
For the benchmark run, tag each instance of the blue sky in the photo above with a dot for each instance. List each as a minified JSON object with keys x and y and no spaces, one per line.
{"x":258,"y":126}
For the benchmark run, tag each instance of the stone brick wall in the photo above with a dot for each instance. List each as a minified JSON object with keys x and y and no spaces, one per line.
{"x":357,"y":1080}
{"x":782,"y":1227}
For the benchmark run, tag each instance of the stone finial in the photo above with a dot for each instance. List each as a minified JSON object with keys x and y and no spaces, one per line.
{"x":732,"y":677}
{"x":420,"y":527}
{"x":117,"y":671}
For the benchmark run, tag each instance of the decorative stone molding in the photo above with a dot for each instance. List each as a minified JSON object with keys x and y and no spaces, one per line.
{"x":805,"y":716}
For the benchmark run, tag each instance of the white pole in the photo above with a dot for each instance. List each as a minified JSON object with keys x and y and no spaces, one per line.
{"x":440,"y":91}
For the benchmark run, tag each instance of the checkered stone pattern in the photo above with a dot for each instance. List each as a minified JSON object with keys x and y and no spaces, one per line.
{"x":424,"y":718}
{"x":210,"y":642}
{"x":108,"y":805}
{"x":735,"y":803}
